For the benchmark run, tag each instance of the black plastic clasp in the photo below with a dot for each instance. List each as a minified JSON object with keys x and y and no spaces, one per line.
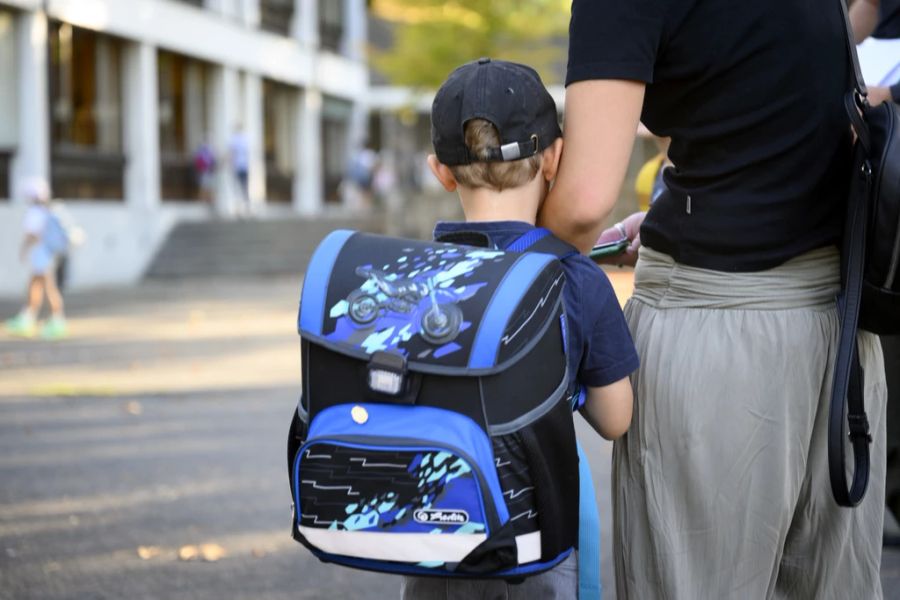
{"x":859,"y":427}
{"x":382,"y":367}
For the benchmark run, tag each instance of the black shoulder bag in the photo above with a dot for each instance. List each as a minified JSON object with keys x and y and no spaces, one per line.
{"x":870,"y":298}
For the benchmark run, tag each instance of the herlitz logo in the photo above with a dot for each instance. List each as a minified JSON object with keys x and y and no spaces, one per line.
{"x":430,"y":516}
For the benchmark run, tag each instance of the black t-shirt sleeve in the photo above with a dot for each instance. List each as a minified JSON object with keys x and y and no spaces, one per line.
{"x":614,"y":39}
{"x":609,"y":353}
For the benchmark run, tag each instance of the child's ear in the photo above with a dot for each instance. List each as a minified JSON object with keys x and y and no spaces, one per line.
{"x":442,"y":172}
{"x":550,"y":159}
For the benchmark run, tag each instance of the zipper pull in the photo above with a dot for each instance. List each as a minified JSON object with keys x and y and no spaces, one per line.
{"x":688,"y":204}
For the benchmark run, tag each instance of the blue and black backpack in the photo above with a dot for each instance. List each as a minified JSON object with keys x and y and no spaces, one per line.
{"x":434,"y":434}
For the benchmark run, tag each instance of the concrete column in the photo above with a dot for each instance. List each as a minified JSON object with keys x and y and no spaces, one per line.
{"x":141,"y":124}
{"x":306,"y":23}
{"x":253,"y":126}
{"x":355,"y":34}
{"x":224,"y":102}
{"x":226,"y":8}
{"x":308,"y":189}
{"x":33,"y":153}
{"x":355,"y":49}
{"x":250,"y":13}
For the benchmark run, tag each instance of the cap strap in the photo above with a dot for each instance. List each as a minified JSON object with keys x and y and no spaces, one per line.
{"x":509,"y":152}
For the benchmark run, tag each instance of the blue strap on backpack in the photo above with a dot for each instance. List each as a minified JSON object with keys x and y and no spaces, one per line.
{"x":541,"y":240}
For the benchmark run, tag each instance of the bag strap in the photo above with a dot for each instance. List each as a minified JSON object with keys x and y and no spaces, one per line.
{"x":857,"y":82}
{"x":847,"y":396}
{"x":542,"y":240}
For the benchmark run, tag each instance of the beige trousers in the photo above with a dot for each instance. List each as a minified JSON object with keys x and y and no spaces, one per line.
{"x":721,"y":486}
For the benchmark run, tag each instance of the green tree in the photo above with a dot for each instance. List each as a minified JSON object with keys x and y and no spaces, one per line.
{"x":432,"y":37}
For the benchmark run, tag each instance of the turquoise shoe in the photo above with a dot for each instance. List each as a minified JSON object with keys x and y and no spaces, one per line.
{"x":22,"y":325}
{"x":54,"y":329}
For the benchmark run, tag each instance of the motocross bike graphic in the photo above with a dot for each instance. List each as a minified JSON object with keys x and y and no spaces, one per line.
{"x":433,"y":307}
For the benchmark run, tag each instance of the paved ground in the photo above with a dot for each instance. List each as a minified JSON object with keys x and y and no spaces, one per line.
{"x":158,"y":430}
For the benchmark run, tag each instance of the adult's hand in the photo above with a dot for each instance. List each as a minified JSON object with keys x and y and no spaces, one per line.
{"x":631,"y":226}
{"x":601,"y":123}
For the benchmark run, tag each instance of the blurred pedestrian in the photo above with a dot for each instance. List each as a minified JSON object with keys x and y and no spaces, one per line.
{"x":239,"y":155}
{"x":205,"y":171}
{"x":879,"y":19}
{"x":649,"y":184}
{"x":44,"y":240}
{"x":360,"y":177}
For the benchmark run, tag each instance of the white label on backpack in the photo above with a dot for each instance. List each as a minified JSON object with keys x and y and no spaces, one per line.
{"x":431,"y":516}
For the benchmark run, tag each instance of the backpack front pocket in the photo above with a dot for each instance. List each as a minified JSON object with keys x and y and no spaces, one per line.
{"x":404,"y":484}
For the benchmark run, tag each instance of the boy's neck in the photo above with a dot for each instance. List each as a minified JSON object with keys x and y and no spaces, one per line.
{"x":515,"y":204}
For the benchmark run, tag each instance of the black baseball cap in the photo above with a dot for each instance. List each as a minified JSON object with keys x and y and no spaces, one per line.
{"x":510,"y":96}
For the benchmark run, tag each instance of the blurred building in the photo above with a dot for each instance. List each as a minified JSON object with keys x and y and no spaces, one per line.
{"x":109,"y":100}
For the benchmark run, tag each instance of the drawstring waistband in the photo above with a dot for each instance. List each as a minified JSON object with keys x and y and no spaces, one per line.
{"x":809,"y":280}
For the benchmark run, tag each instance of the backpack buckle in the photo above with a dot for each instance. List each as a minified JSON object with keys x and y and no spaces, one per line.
{"x":859,"y":427}
{"x":387,"y":373}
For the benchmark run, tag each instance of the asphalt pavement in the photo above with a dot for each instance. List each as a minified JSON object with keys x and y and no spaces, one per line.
{"x":144,"y":457}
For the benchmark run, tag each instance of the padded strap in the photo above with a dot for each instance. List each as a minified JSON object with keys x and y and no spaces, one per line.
{"x":847,"y":401}
{"x":542,"y":240}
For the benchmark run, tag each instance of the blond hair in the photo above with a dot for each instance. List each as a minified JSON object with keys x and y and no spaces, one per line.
{"x":481,"y":135}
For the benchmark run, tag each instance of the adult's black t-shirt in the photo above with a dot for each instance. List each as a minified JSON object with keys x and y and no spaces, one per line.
{"x":751,"y":94}
{"x":888,"y":20}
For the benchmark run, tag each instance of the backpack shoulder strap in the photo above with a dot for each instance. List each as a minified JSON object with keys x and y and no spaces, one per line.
{"x":542,"y":240}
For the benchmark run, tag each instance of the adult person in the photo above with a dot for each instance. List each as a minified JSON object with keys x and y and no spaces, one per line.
{"x":721,"y":486}
{"x":880,"y":19}
{"x":205,"y":172}
{"x":239,"y":154}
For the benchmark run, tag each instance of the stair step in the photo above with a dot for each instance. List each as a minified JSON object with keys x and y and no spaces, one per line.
{"x":247,"y":248}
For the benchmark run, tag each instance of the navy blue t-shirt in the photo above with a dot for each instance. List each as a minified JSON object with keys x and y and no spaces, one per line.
{"x":601,"y":350}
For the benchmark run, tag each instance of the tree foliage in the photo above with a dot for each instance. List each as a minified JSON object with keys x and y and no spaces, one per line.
{"x":432,"y":37}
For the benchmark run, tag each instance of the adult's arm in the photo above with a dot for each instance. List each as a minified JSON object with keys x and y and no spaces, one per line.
{"x":863,"y":18}
{"x":601,"y":122}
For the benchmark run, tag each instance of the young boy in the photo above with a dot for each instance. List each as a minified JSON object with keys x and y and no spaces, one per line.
{"x":497,"y":144}
{"x":40,"y":225}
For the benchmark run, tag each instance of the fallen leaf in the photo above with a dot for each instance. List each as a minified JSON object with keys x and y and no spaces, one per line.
{"x":212,"y":552}
{"x":148,"y":552}
{"x":188,"y":552}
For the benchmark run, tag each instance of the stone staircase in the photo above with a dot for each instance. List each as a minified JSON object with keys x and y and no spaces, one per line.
{"x":248,"y":248}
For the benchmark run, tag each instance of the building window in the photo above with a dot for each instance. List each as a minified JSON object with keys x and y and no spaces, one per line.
{"x":335,"y":132}
{"x":183,"y":128}
{"x":8,"y":105}
{"x":331,"y":24}
{"x":86,"y":159}
{"x":276,"y":15}
{"x":279,"y":139}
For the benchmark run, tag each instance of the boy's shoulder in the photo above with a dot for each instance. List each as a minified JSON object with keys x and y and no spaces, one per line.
{"x":587,"y":282}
